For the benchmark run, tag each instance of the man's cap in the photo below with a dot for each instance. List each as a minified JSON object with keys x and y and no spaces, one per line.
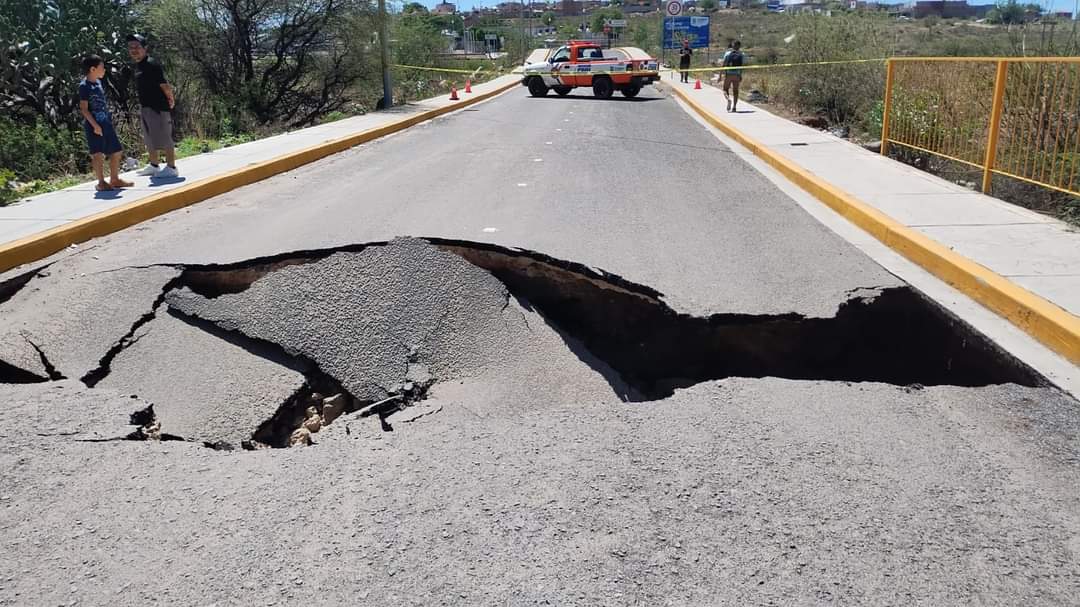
{"x":136,"y":38}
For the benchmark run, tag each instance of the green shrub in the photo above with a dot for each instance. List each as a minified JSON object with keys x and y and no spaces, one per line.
{"x":8,"y":192}
{"x":845,"y":93}
{"x":39,"y":151}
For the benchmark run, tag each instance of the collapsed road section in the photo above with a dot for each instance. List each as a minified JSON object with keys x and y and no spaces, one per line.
{"x":269,"y":351}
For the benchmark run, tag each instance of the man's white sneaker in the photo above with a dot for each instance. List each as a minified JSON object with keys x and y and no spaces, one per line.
{"x":167,"y":172}
{"x":148,"y":171}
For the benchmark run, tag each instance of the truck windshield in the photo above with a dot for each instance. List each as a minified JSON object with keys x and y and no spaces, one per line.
{"x":562,"y":54}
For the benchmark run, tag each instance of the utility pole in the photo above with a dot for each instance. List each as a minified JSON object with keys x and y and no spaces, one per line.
{"x":384,"y":50}
{"x":524,"y":37}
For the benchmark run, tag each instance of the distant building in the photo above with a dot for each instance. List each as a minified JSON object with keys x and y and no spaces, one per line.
{"x":444,"y":8}
{"x":862,"y":5}
{"x":802,"y":6}
{"x":949,"y":9}
{"x":1064,"y":15}
{"x":510,"y":9}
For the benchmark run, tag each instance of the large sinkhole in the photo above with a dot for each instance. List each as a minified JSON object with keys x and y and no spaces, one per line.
{"x":369,"y":328}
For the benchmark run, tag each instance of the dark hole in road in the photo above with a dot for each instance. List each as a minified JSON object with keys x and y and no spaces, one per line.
{"x":148,"y":426}
{"x":895,"y":336}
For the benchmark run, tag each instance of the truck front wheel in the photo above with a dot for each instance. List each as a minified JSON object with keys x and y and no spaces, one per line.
{"x":602,"y":87}
{"x":537,"y":88}
{"x":562,"y":90}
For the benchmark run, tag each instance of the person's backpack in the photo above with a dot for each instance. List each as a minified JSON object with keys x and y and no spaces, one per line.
{"x":735,"y":59}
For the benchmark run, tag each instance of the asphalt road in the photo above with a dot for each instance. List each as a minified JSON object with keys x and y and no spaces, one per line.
{"x":523,"y":477}
{"x":637,"y":188}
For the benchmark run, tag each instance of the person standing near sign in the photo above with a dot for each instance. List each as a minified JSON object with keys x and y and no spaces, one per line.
{"x":684,"y":59}
{"x":732,"y":77}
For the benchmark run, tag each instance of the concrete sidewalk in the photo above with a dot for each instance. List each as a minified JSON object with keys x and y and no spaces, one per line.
{"x":1033,"y":251}
{"x":47,"y":211}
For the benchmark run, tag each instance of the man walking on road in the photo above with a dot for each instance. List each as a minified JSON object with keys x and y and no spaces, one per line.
{"x":684,"y":59}
{"x":156,"y":102}
{"x":732,"y":77}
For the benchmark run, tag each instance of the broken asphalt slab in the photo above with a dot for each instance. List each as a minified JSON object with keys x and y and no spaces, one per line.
{"x":47,"y":412}
{"x":62,"y":325}
{"x":364,"y":317}
{"x":203,"y":388}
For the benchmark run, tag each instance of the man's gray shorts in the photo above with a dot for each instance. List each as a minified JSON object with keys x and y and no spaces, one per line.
{"x":156,"y":129}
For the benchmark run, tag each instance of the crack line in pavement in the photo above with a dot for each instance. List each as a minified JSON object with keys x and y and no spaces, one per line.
{"x":13,"y":285}
{"x":50,"y":369}
{"x":95,"y":375}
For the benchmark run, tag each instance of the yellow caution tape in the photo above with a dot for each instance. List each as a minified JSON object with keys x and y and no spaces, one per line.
{"x":569,"y":73}
{"x":644,"y":73}
{"x":766,"y":66}
{"x":445,"y":69}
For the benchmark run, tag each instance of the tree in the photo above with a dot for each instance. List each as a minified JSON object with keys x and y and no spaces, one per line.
{"x":41,"y":47}
{"x":548,"y":18}
{"x":1008,"y":13}
{"x":707,"y":5}
{"x":451,"y":23}
{"x":602,"y":15}
{"x":286,"y":61}
{"x":418,"y":39}
{"x":414,"y":8}
{"x":644,"y":35}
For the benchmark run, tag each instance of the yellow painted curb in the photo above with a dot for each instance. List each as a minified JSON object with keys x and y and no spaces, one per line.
{"x":43,"y":244}
{"x":1050,"y":324}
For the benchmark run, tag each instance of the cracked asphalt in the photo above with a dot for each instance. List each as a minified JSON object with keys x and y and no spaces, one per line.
{"x":524,"y":477}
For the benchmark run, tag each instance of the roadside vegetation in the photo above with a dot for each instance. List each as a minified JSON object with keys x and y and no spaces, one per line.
{"x":847,"y":99}
{"x":245,"y":70}
{"x":241,"y":70}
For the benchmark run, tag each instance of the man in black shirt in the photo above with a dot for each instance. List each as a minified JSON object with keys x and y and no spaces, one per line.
{"x":684,"y":59}
{"x":156,"y":103}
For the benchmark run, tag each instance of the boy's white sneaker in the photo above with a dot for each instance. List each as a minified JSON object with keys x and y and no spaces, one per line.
{"x":167,"y":172}
{"x":148,"y":171}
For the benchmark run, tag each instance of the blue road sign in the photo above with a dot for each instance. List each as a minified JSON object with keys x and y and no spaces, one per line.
{"x":694,"y":28}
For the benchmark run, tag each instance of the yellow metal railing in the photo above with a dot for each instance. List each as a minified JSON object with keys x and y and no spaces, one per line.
{"x":1016,"y":117}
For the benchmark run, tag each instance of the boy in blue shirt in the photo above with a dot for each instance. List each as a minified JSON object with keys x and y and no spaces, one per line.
{"x":100,"y":134}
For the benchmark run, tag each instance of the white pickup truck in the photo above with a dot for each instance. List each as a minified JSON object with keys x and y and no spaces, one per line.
{"x":624,"y":69}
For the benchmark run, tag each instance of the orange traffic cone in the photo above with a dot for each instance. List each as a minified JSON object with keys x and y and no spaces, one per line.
{"x":468,"y":86}
{"x":697,"y":84}
{"x":453,"y":93}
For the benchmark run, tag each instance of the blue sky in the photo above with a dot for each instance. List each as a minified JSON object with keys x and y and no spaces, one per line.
{"x":1057,"y":5}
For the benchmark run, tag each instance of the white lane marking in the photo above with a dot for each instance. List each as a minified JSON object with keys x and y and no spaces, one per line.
{"x":521,"y":185}
{"x":548,"y":142}
{"x":491,"y":229}
{"x":538,"y":159}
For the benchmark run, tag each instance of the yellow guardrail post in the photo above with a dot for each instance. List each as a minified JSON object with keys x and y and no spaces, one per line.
{"x":995,"y":125}
{"x":887,"y":107}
